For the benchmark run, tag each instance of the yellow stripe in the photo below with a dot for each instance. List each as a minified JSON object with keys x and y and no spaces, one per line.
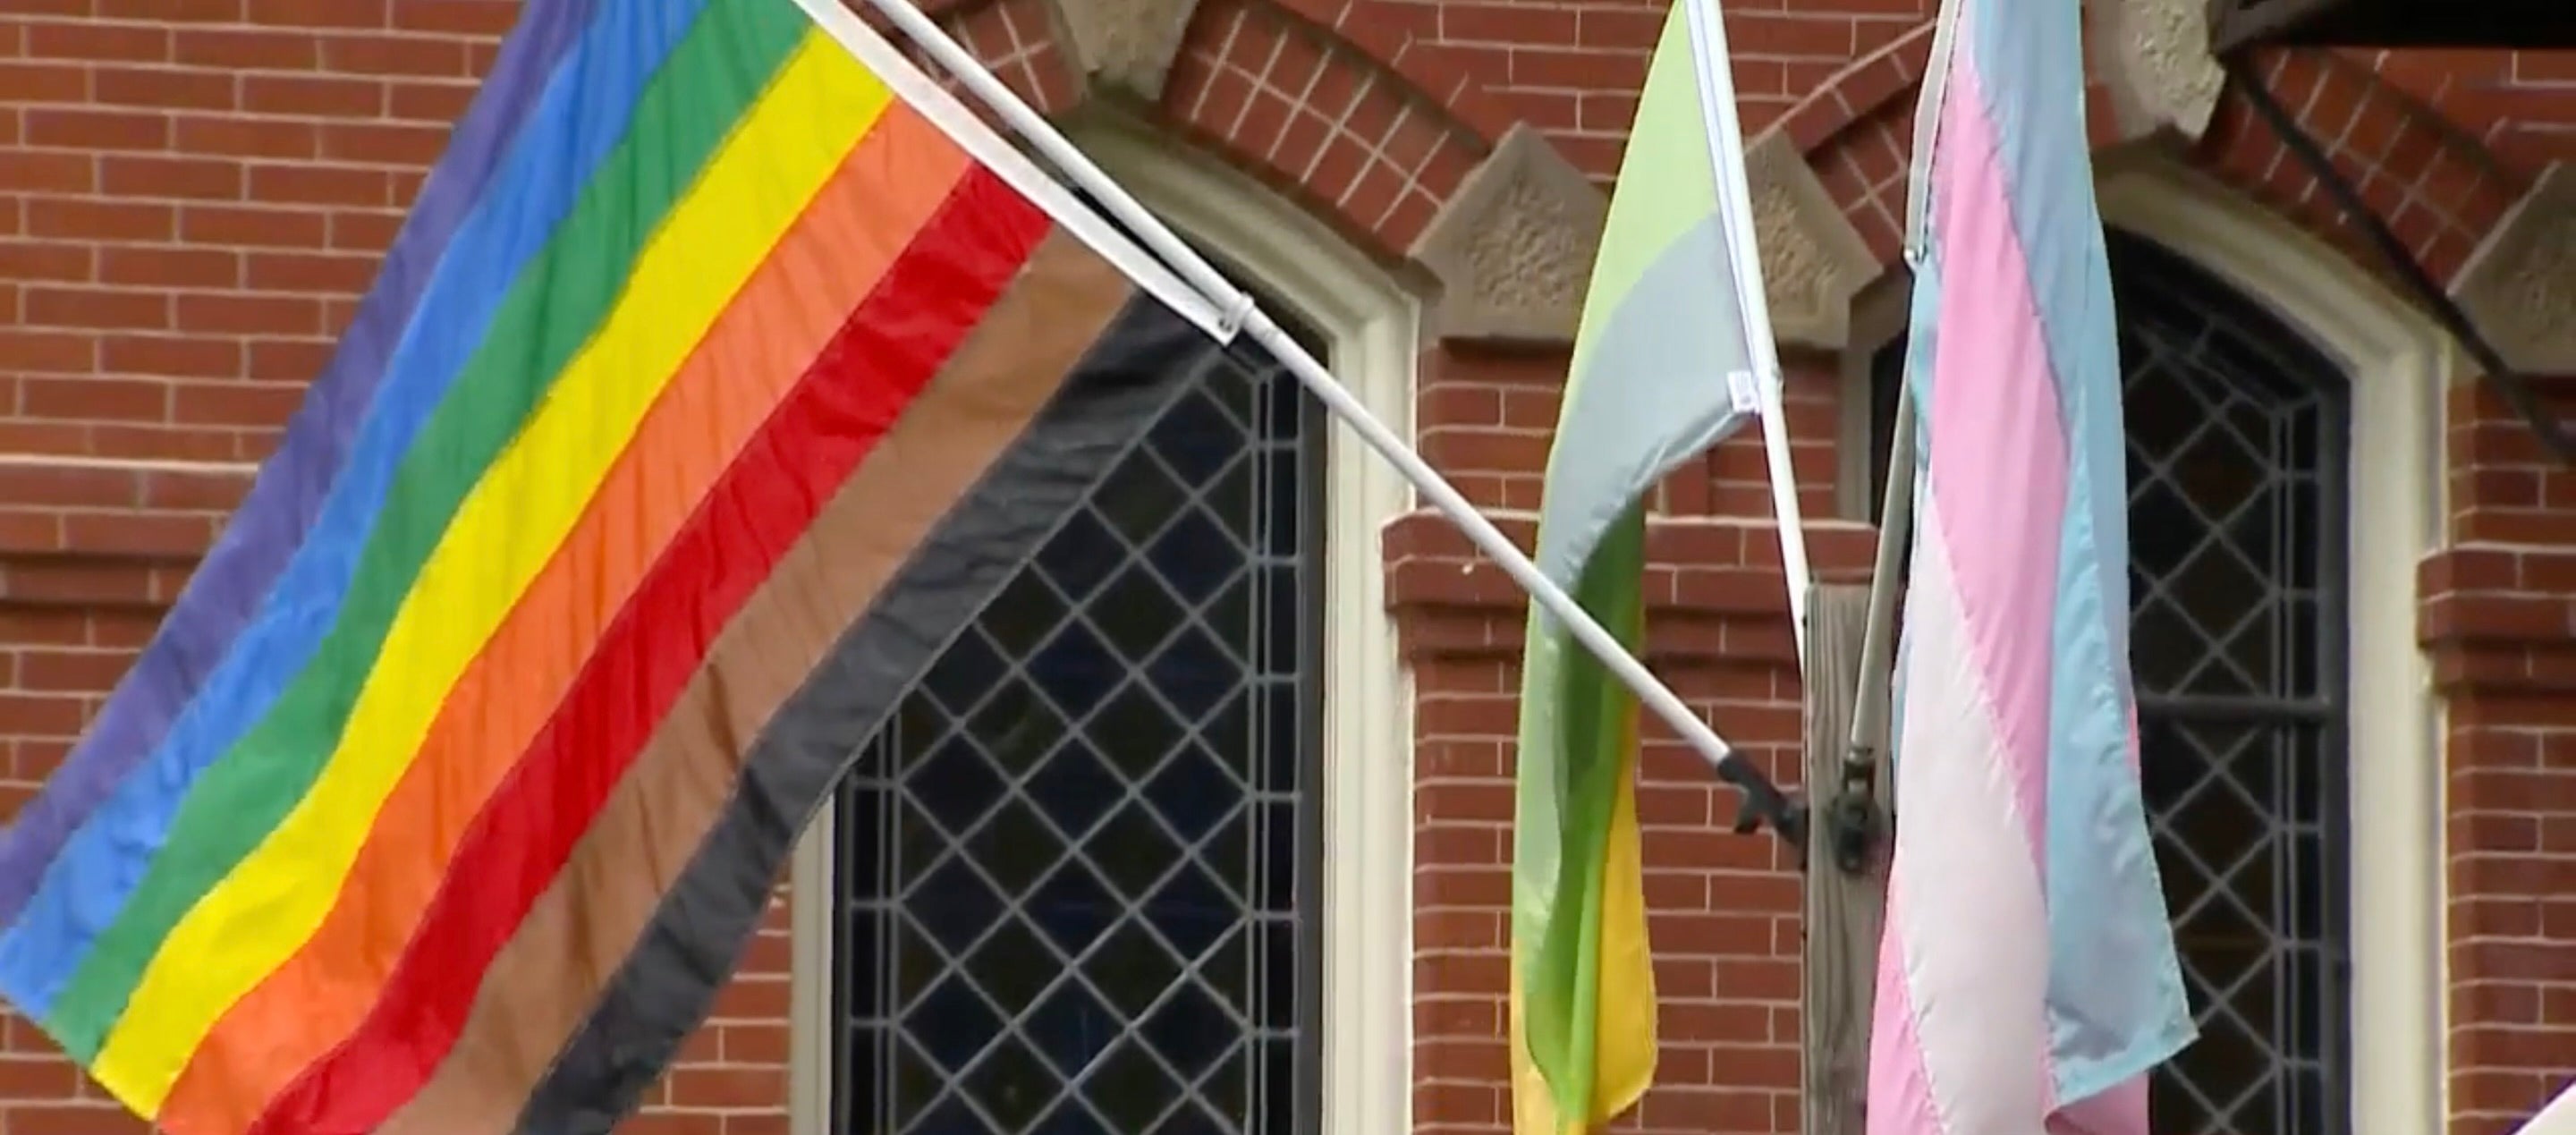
{"x":1624,"y":1013}
{"x":1533,"y":1104}
{"x":1624,"y":1018}
{"x":507,"y":529}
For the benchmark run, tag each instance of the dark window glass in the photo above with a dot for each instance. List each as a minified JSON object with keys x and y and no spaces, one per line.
{"x":1079,"y":873}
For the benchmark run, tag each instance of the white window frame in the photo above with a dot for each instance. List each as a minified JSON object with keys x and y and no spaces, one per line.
{"x":2399,"y":364}
{"x":1372,"y":326}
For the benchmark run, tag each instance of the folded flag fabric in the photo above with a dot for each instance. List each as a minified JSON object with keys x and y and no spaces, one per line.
{"x":724,"y":370}
{"x":1650,"y":387}
{"x":2027,"y":973}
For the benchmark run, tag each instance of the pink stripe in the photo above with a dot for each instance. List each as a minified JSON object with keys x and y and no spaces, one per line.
{"x":1998,"y":464}
{"x":2118,"y":1111}
{"x":1900,"y":1087}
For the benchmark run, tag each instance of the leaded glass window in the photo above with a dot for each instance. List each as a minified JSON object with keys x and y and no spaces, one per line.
{"x":2236,"y":518}
{"x":1080,"y":871}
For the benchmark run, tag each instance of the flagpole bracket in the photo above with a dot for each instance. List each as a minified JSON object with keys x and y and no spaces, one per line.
{"x":1234,"y":313}
{"x":1854,"y":823}
{"x":1762,"y":803}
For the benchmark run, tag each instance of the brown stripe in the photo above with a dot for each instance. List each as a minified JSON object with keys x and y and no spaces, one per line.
{"x":1142,"y":363}
{"x":542,"y":985}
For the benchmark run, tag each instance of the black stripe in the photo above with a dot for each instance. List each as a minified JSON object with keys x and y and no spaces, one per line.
{"x":663,"y":992}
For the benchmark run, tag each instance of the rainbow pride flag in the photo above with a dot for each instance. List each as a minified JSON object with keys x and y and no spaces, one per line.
{"x":725,"y":368}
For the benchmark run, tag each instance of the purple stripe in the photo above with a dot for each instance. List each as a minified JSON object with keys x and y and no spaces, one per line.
{"x":292,"y":485}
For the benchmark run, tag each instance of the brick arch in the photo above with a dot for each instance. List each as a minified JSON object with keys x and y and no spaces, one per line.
{"x":1870,"y":85}
{"x":2438,"y":187}
{"x":2429,"y":177}
{"x":1333,"y":103}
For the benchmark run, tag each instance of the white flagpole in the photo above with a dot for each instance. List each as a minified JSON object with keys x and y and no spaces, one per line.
{"x":1878,"y":643}
{"x":1711,"y":63}
{"x":1243,"y":313}
{"x":1896,"y":511}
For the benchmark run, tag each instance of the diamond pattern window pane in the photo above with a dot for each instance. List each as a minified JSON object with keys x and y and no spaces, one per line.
{"x":1078,"y":871}
{"x":2235,"y":431}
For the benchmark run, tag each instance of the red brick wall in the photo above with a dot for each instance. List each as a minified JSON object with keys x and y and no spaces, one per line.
{"x":2498,"y":610}
{"x":192,"y":194}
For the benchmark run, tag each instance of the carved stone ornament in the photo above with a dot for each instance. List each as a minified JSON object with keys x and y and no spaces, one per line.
{"x":1513,"y":247}
{"x":1813,"y":260}
{"x":2153,"y":57}
{"x":2519,"y":287}
{"x":1126,"y":46}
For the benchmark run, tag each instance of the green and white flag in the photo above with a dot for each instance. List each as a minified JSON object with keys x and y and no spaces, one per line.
{"x":1662,"y":370}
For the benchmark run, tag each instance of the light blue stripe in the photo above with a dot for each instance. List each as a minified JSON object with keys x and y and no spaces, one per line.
{"x":2116,"y":1001}
{"x":1651,"y":393}
{"x":583,"y":114}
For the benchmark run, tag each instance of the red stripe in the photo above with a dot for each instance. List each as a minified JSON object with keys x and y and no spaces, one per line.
{"x":894,"y":343}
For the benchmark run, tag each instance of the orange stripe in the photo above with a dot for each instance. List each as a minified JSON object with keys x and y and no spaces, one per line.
{"x":888,"y":187}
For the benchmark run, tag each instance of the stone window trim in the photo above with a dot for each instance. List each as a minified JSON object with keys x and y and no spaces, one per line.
{"x":2399,"y":366}
{"x":1879,"y":313}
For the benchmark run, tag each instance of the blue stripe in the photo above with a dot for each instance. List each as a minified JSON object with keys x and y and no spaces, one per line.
{"x":283,"y":502}
{"x":2116,"y":1003}
{"x":582,"y":116}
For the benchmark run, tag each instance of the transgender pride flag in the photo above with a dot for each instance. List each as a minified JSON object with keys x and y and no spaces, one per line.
{"x":2027,"y":979}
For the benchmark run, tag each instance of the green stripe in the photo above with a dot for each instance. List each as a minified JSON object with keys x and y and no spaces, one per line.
{"x":1577,"y":723}
{"x":690,"y":107}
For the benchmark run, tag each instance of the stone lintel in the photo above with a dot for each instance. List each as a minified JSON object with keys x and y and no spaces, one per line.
{"x":1814,"y":262}
{"x":2153,"y":58}
{"x":1513,"y":248}
{"x":1126,"y":47}
{"x":2519,"y":286}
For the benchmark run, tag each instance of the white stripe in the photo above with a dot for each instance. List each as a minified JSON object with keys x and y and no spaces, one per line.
{"x":1972,"y":921}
